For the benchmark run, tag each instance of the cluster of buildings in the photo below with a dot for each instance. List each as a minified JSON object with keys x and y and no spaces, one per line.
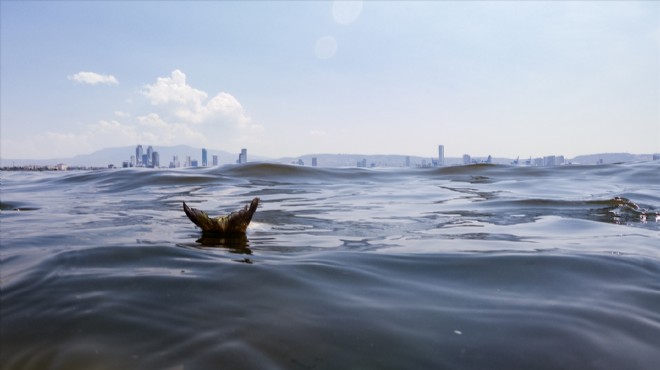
{"x":433,"y":162}
{"x":467,"y":159}
{"x":363,"y":163}
{"x":551,"y":160}
{"x":300,"y":162}
{"x":48,"y":167}
{"x":151,"y":159}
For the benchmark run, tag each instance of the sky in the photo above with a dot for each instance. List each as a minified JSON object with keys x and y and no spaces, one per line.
{"x":508,"y":79}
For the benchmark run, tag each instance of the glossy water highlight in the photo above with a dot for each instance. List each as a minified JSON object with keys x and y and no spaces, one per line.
{"x":458,"y":267}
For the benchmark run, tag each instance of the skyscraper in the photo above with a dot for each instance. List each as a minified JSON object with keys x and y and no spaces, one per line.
{"x":155,"y":160}
{"x":205,"y":161}
{"x":549,"y":160}
{"x":138,"y":155}
{"x":215,"y":160}
{"x":441,"y":155}
{"x":242,"y":158}
{"x":150,"y":152}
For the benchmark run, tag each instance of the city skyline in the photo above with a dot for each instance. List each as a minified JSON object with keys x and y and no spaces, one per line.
{"x":549,"y":160}
{"x":105,"y":159}
{"x":152,"y":159}
{"x":287,"y":78}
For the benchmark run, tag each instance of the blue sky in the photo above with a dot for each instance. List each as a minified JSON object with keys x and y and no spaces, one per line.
{"x":504,"y":78}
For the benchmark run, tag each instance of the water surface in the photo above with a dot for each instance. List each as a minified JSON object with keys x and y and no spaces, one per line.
{"x":458,"y":267}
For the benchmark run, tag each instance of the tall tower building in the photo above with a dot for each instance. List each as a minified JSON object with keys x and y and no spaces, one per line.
{"x":441,"y":155}
{"x":150,"y":152}
{"x":215,"y":160}
{"x":155,"y":160}
{"x":242,"y":158}
{"x":138,"y":155}
{"x":205,"y":161}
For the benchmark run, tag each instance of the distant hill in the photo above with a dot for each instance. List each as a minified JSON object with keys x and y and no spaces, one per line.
{"x":611,"y":158}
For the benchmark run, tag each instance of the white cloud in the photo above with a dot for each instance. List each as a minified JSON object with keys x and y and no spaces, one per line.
{"x":67,"y":144}
{"x":192,"y":105}
{"x":109,"y":130}
{"x":180,"y":114}
{"x":245,"y":140}
{"x":92,"y":78}
{"x":256,"y":128}
{"x":152,"y":120}
{"x":173,"y":89}
{"x":150,"y":128}
{"x":165,"y":133}
{"x":317,"y":133}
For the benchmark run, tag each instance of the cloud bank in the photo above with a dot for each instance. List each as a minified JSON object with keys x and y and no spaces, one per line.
{"x":192,"y":105}
{"x":92,"y":78}
{"x":177,"y":113}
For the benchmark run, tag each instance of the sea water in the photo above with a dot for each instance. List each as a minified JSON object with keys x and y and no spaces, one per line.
{"x":469,"y":267}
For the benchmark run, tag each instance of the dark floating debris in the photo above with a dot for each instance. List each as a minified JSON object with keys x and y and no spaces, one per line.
{"x":623,"y":208}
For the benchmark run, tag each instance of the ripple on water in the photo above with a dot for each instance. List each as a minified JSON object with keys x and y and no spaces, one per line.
{"x":457,"y":267}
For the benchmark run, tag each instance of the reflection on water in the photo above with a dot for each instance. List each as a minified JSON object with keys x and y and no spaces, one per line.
{"x":235,"y":243}
{"x":456,"y":267}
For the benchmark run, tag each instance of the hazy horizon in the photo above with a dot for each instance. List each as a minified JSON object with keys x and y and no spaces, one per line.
{"x":195,"y":153}
{"x":285,"y":79}
{"x":430,"y":155}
